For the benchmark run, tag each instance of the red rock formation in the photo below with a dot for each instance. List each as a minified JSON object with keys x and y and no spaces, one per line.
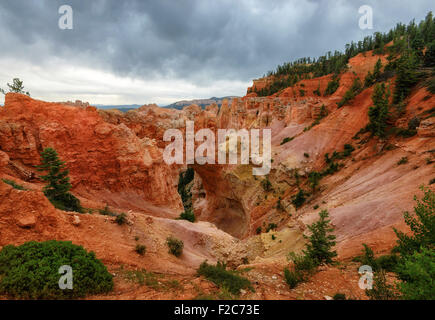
{"x":106,"y":160}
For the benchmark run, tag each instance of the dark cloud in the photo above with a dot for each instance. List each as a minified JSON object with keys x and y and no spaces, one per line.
{"x":200,"y":41}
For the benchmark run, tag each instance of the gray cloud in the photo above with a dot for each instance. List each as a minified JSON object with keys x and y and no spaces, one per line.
{"x":198,"y":41}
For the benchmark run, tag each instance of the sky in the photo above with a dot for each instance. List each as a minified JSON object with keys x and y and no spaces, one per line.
{"x":162,"y":51}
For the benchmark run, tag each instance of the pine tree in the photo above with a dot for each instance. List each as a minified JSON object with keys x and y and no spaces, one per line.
{"x":321,"y":240}
{"x":407,"y":77}
{"x":429,"y":57}
{"x":58,"y":185}
{"x":379,"y":113}
{"x":422,"y":225}
{"x":16,"y":87}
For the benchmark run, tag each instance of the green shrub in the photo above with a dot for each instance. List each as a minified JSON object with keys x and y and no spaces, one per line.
{"x":184,"y":186}
{"x":306,"y":155}
{"x":367,"y":258}
{"x":402,"y":160}
{"x":351,"y":93}
{"x":430,"y":84}
{"x":417,"y":273}
{"x":381,"y":289}
{"x":406,"y":133}
{"x":31,"y":271}
{"x":121,"y":219}
{"x":387,"y":262}
{"x":267,"y":186}
{"x":175,"y":246}
{"x":271,"y":226}
{"x":187,"y":215}
{"x":332,"y":86}
{"x":287,"y":139}
{"x":299,"y":199}
{"x":413,"y":123}
{"x":302,"y":263}
{"x":224,"y":278}
{"x":107,"y":212}
{"x":141,"y":249}
{"x":292,"y":278}
{"x":313,"y":179}
{"x":258,"y":230}
{"x":13,"y":184}
{"x":339,"y":296}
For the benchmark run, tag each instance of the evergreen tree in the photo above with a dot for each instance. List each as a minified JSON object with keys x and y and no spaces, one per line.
{"x":429,"y":57}
{"x":58,"y":185}
{"x":422,"y":225}
{"x":371,"y":78}
{"x":379,"y":113}
{"x":16,"y":87}
{"x":407,"y":77}
{"x":321,"y":240}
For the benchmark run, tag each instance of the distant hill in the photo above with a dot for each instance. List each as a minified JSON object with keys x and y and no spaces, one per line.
{"x":200,"y":102}
{"x":124,"y":107}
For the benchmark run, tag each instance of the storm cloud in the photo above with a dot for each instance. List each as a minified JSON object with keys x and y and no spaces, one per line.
{"x":166,"y":50}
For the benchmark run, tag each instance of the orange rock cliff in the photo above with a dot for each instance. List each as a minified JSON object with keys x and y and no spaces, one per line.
{"x":115,"y":159}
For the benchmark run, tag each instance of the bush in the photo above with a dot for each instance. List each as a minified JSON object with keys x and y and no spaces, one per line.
{"x":141,"y":249}
{"x":299,"y":199}
{"x":224,"y":278}
{"x":332,"y":86}
{"x":302,"y":263}
{"x":402,"y":160}
{"x":414,"y":123}
{"x":431,"y":85}
{"x":381,"y":289}
{"x":388,"y":262}
{"x":13,"y":184}
{"x":31,"y":271}
{"x":107,"y":212}
{"x":417,"y":273}
{"x":368,"y":258}
{"x":406,"y":133}
{"x":184,"y":186}
{"x":175,"y":246}
{"x":271,"y":226}
{"x":187,"y":215}
{"x":121,"y":219}
{"x":287,"y":139}
{"x":292,"y":278}
{"x":339,"y":296}
{"x":267,"y":186}
{"x":351,"y":93}
{"x":258,"y":230}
